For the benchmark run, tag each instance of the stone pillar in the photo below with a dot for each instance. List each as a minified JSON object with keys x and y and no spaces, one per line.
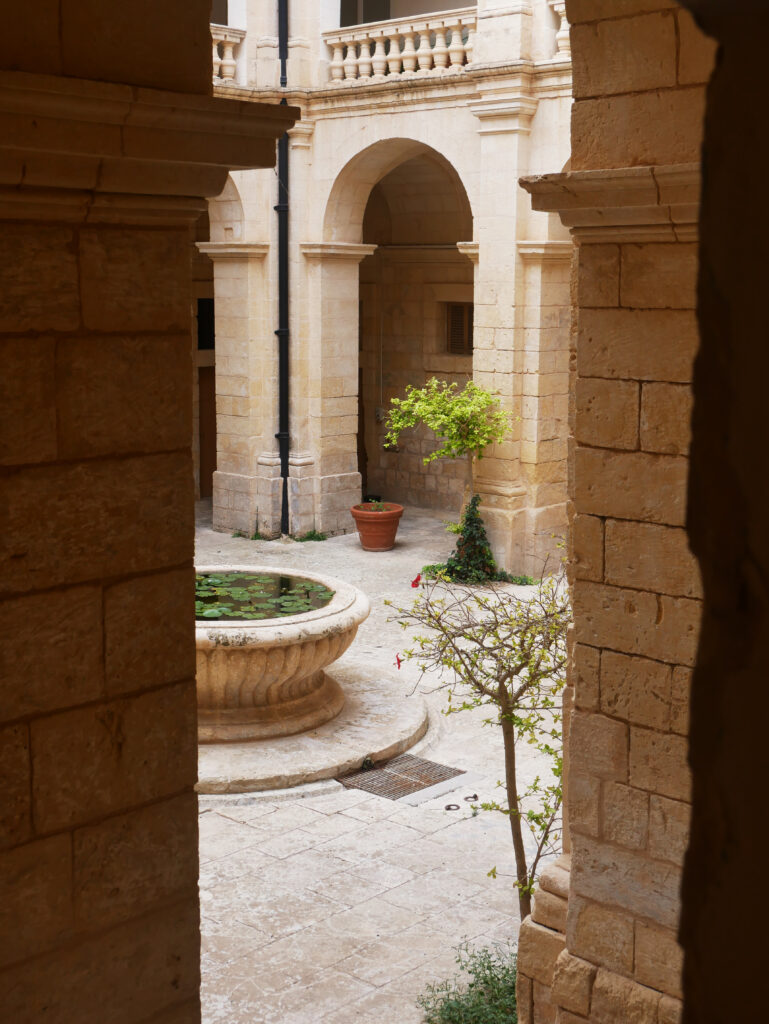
{"x":324,"y":423}
{"x":100,"y":185}
{"x":246,"y":497}
{"x":504,"y":125}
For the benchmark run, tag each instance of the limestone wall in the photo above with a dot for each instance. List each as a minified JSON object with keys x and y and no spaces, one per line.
{"x":601,"y":943}
{"x":100,"y":188}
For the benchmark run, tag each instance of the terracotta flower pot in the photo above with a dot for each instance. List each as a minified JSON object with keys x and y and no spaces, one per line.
{"x":377,"y":529}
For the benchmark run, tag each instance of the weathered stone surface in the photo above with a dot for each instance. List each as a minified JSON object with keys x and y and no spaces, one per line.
{"x":103,"y":519}
{"x":624,"y":55}
{"x":550,"y":911}
{"x":129,"y":863}
{"x":636,"y":344}
{"x":584,"y":803}
{"x":636,"y":689}
{"x":134,"y":277}
{"x":538,"y":949}
{"x":670,"y":1011}
{"x":659,"y":960}
{"x":107,"y":405}
{"x":587,"y":547}
{"x":668,"y":828}
{"x":624,"y":878}
{"x":143,"y":965}
{"x":656,"y":626}
{"x":15,"y":808}
{"x":121,"y":752}
{"x":35,"y":900}
{"x":630,"y":485}
{"x":598,"y":746}
{"x":607,"y":413}
{"x":666,"y":411}
{"x":651,"y":557}
{"x":52,"y":654}
{"x":598,"y":276}
{"x":658,"y":763}
{"x":24,"y":305}
{"x":600,"y":934}
{"x":625,"y":815}
{"x":27,"y":400}
{"x":680,"y":699}
{"x":585,"y":668}
{"x":162,"y":649}
{"x":573,"y":983}
{"x":616,"y":998}
{"x":660,"y":276}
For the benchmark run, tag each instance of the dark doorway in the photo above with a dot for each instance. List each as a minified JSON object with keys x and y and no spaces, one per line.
{"x":207,"y":428}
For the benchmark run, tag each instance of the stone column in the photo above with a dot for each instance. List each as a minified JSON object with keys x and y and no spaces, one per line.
{"x":245,"y":495}
{"x":324,"y":424}
{"x":100,"y":185}
{"x":504,"y":125}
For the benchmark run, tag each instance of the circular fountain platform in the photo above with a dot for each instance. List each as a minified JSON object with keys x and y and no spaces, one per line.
{"x":380,"y":719}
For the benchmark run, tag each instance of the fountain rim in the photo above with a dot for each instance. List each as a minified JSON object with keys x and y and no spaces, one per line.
{"x":349,"y":606}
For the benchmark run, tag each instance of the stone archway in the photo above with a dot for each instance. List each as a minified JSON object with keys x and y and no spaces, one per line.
{"x":400,"y":200}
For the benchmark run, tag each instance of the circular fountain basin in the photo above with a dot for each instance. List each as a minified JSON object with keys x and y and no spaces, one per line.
{"x":264,"y":678}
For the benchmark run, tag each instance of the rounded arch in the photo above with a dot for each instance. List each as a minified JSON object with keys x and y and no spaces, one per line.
{"x":225,"y":214}
{"x":350,"y":193}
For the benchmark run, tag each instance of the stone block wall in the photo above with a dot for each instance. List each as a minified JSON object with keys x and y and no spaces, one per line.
{"x":100,"y":187}
{"x":603,"y":946}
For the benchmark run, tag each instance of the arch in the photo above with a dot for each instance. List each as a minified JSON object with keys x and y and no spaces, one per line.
{"x":225,"y":214}
{"x":343,"y":218}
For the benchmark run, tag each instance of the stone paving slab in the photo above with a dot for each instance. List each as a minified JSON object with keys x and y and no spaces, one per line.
{"x":330,"y":905}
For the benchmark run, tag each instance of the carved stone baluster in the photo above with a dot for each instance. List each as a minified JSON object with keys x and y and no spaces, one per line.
{"x":217,"y":61}
{"x":351,"y":61}
{"x":456,"y":47}
{"x":379,"y":59}
{"x":409,"y":52}
{"x":562,"y":37}
{"x":228,"y":64}
{"x":364,"y":61}
{"x":337,"y":62}
{"x":424,"y":52}
{"x":440,"y":50}
{"x":470,"y":44}
{"x":394,"y":56}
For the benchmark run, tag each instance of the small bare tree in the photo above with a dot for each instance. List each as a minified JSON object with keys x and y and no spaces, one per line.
{"x":508,"y":652}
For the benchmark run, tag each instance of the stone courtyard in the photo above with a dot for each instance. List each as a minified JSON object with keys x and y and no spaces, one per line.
{"x":327,"y":904}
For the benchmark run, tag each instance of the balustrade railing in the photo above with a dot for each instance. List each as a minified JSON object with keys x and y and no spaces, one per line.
{"x":226,"y":43}
{"x":435,"y":44}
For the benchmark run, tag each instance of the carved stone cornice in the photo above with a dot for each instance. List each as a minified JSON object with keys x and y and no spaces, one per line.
{"x":336,"y":250}
{"x":629,"y":204}
{"x":470,"y":249}
{"x":58,"y":132}
{"x":234,"y":250}
{"x":501,"y":115}
{"x":548,"y":251}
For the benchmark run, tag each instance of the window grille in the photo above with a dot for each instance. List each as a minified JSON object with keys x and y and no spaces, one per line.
{"x":459,"y":328}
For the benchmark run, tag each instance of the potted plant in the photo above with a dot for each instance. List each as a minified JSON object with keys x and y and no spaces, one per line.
{"x":377,"y":523}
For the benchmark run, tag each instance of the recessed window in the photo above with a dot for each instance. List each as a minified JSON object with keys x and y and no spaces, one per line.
{"x":459,"y":328}
{"x":219,"y":13}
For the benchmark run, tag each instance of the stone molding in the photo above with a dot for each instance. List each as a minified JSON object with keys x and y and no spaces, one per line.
{"x":416,"y":253}
{"x":629,"y":204}
{"x":549,"y":251}
{"x":301,"y":134}
{"x":120,"y":139}
{"x":234,"y":250}
{"x":79,"y":206}
{"x":503,"y":115}
{"x":336,"y":250}
{"x":470,"y":249}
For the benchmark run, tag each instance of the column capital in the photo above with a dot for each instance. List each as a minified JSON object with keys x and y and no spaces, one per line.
{"x":626,"y":204}
{"x":501,"y":115}
{"x":336,"y":250}
{"x":470,"y":249}
{"x":234,"y":250}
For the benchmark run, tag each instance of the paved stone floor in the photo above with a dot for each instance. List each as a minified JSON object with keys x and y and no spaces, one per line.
{"x":327,"y":904}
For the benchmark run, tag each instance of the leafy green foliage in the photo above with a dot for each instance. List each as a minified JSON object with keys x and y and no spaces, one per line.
{"x":243,"y":595}
{"x":508,"y":653}
{"x":489,"y":996}
{"x":466,"y":421}
{"x":312,"y":535}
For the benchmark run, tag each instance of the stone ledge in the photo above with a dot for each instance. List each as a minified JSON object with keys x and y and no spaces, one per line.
{"x":631,"y":204}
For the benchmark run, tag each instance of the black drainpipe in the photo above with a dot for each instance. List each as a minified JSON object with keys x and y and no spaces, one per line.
{"x":282,"y":331}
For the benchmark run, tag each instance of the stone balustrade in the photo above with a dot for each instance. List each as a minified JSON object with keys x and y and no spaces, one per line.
{"x":435,"y":44}
{"x":226,"y":42}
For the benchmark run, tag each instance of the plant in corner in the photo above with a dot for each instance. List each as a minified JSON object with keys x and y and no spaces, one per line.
{"x":507,"y":653}
{"x":467,"y":422}
{"x":489,"y":996}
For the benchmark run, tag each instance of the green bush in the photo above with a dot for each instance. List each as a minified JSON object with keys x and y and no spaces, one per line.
{"x":489,"y":996}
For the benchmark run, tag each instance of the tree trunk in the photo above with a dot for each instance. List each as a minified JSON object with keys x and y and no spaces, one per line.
{"x":468,"y":492}
{"x":511,"y":783}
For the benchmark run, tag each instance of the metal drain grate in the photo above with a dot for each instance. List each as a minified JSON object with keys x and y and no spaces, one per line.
{"x":400,"y":777}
